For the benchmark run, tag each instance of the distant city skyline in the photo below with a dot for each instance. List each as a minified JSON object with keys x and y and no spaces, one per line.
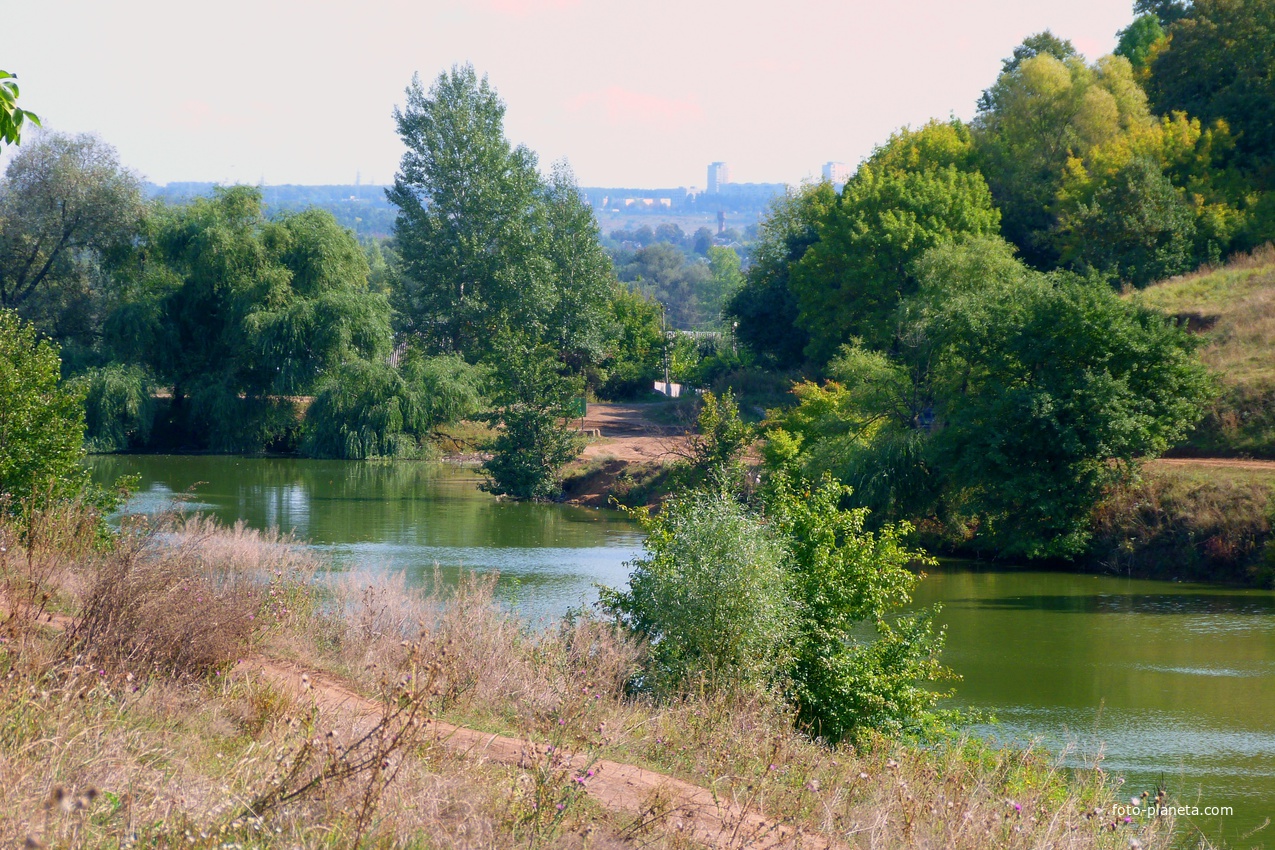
{"x":266,"y":91}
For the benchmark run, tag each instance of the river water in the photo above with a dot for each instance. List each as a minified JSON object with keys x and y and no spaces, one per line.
{"x":1170,"y":684}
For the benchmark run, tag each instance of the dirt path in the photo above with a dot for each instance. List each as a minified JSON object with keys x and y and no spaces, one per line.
{"x":689,"y":809}
{"x":628,"y":432}
{"x":645,"y":794}
{"x":624,"y":788}
{"x":1227,"y":462}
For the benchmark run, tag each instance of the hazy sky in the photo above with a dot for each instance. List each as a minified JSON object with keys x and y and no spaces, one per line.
{"x":639,"y":93}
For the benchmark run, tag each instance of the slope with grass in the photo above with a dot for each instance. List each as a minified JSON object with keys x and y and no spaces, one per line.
{"x":1233,"y":310}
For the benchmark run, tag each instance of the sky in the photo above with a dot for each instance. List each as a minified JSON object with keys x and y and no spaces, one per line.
{"x":634,"y":93}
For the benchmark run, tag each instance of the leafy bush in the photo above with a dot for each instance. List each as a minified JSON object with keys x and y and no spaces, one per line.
{"x":711,"y":596}
{"x":798,"y":596}
{"x":536,"y":439}
{"x":41,"y":419}
{"x":528,"y":453}
{"x":856,"y":666}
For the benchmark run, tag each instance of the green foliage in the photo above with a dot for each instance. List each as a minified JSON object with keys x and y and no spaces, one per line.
{"x":720,"y":440}
{"x":1048,"y":392}
{"x":237,"y":314}
{"x":634,"y":345}
{"x":845,"y":680}
{"x":12,"y":117}
{"x":1041,"y":44}
{"x":799,"y":596}
{"x":685,"y":286}
{"x":725,"y":278}
{"x":1037,"y":116}
{"x":119,"y":407}
{"x":370,"y":409}
{"x":536,"y":438}
{"x":488,"y":248}
{"x":67,"y":208}
{"x":1217,"y":65}
{"x":1010,"y":403}
{"x":850,"y":282}
{"x":364,"y":410}
{"x":582,"y":273}
{"x":711,"y":595}
{"x":1137,"y":227}
{"x":41,"y":420}
{"x":1165,"y":11}
{"x":765,"y":309}
{"x":1139,"y":39}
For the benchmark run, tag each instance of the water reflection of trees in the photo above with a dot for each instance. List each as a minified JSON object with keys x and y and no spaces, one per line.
{"x":398,"y":503}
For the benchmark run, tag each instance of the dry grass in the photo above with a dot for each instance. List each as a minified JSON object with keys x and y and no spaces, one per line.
{"x":1233,"y":307}
{"x":199,"y":751}
{"x":1191,"y":523}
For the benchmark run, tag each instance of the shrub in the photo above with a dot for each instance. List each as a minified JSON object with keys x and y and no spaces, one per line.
{"x":41,"y":419}
{"x":711,"y":596}
{"x":529,"y":452}
{"x":534,"y":397}
{"x":801,"y":597}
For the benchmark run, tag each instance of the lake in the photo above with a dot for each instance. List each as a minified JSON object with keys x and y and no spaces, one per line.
{"x":1173,"y":684}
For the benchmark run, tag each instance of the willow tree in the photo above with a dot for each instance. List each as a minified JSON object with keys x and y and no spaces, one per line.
{"x":237,"y":313}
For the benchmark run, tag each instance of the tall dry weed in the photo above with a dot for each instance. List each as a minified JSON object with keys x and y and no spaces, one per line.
{"x":181,"y":596}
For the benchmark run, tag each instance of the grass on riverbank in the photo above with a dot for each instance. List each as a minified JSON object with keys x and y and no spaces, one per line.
{"x":1233,"y":308}
{"x":1189,"y":523}
{"x":128,"y":720}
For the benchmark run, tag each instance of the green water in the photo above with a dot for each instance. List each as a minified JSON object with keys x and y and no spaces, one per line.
{"x":400,"y":517}
{"x":1173,"y":684}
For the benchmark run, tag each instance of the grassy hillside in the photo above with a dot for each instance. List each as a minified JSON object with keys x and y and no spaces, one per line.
{"x":1233,"y":308}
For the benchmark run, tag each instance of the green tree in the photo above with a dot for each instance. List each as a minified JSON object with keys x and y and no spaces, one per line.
{"x":634,"y":345}
{"x":1138,"y":228}
{"x":66,"y":205}
{"x":849,"y":283}
{"x":1139,"y":39}
{"x":365,"y":409}
{"x":119,"y":407}
{"x":236,"y":313}
{"x":711,"y":596}
{"x":41,"y":419}
{"x":765,"y":310}
{"x":798,"y":596}
{"x":1048,"y":389}
{"x":1166,"y":12}
{"x":684,"y":286}
{"x":12,"y":117}
{"x":1033,"y":121}
{"x":469,"y":214}
{"x":583,"y":273}
{"x":1217,"y":65}
{"x":725,"y":278}
{"x":857,"y":663}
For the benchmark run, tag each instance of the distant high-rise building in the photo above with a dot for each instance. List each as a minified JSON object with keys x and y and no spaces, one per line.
{"x":718,"y":176}
{"x":836,"y":172}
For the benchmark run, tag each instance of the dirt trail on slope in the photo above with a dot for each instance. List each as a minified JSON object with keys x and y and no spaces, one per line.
{"x":1216,"y":462}
{"x":629,"y":433}
{"x":694,"y":811}
{"x":645,"y":794}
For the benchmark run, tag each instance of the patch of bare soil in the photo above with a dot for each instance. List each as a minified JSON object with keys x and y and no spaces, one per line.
{"x":628,"y":432}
